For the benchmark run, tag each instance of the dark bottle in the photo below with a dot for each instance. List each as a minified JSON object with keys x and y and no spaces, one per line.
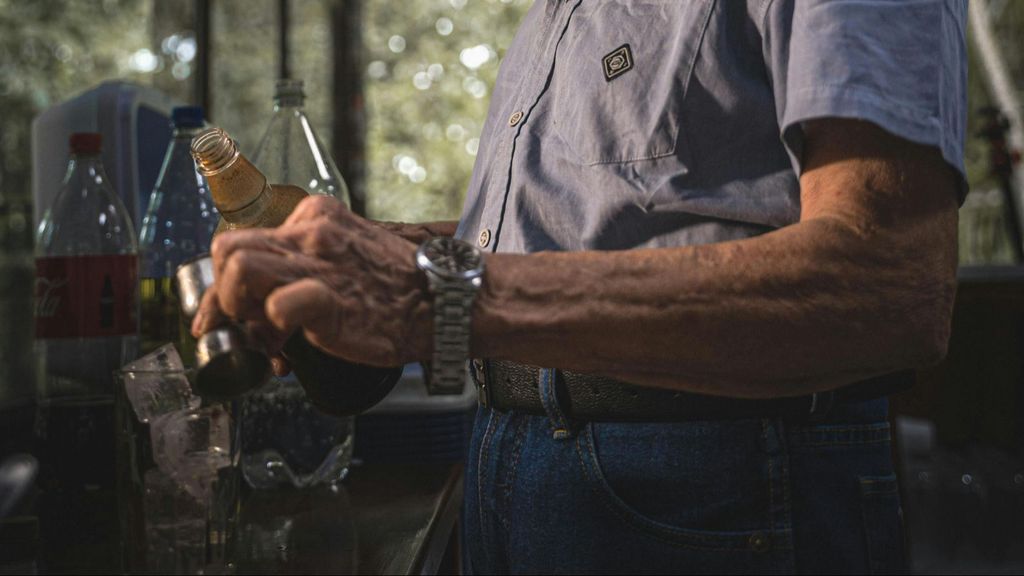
{"x":246,"y":200}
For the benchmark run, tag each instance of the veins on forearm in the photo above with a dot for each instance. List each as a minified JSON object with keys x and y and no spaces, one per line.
{"x":786,"y":313}
{"x":420,"y":232}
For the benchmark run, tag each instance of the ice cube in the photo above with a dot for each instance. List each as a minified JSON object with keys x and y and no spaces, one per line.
{"x":157,"y":384}
{"x":191,"y":445}
{"x":152,"y":394}
{"x":163,"y":359}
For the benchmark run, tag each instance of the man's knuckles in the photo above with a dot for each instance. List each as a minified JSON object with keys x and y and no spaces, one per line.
{"x":321,"y":234}
{"x":239,"y":266}
{"x":246,"y":278}
{"x":315,"y":206}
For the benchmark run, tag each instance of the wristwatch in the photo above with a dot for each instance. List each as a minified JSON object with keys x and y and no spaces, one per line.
{"x":454,"y":271}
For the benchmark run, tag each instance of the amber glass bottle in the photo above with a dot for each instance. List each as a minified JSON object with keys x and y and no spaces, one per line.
{"x":245,"y":199}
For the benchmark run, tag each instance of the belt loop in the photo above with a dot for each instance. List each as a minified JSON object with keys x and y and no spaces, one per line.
{"x":821,"y":405}
{"x":549,"y":398}
{"x":479,"y":371}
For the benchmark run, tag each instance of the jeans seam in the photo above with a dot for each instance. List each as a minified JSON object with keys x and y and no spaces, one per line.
{"x":876,"y":433}
{"x":517,"y":444}
{"x":787,"y":497}
{"x":481,"y":461}
{"x":550,"y":395}
{"x":771,"y":476}
{"x":847,"y":443}
{"x":663,"y":533}
{"x":784,"y":557}
{"x":520,"y":423}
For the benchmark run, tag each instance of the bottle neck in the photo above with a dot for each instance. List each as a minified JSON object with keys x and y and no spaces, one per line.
{"x":249,"y":214}
{"x":290,"y":101}
{"x":86,"y":166}
{"x":236,"y":186}
{"x":186,"y":132}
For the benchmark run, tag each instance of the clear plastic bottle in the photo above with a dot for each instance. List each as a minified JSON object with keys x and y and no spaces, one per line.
{"x":178,"y":226}
{"x":86,"y":327}
{"x":290,"y":151}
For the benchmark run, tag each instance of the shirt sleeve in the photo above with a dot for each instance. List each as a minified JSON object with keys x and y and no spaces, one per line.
{"x":901,"y":64}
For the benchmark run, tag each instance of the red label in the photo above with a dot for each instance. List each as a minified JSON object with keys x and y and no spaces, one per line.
{"x":86,"y":296}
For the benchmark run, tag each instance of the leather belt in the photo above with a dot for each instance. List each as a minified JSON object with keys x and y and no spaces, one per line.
{"x":509,"y":386}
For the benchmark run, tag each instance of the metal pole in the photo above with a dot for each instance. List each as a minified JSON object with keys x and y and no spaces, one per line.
{"x":347,"y":99}
{"x":284,"y":70}
{"x":201,"y":87}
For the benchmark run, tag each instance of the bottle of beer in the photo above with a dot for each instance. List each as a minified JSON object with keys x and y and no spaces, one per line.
{"x":246,"y":199}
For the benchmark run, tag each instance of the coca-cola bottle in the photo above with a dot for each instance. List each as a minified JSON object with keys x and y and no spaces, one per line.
{"x":86,"y":327}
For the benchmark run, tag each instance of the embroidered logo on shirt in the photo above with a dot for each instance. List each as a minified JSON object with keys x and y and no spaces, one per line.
{"x":618,"y":62}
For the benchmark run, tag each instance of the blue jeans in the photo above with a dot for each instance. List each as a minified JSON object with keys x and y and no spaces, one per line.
{"x":545,"y":495}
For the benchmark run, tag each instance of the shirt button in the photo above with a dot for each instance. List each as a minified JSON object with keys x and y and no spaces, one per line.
{"x":515,"y":118}
{"x":485,"y":238}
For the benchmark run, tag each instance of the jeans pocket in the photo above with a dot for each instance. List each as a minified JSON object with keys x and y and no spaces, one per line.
{"x":883,"y":524}
{"x":679,"y":483}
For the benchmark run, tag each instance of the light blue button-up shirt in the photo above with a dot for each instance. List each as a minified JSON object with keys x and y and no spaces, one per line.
{"x":648,"y":123}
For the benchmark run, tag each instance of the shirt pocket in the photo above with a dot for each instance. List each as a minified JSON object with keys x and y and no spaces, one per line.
{"x":621,"y":75}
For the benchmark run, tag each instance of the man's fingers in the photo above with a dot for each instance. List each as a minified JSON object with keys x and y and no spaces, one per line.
{"x":258,"y":239}
{"x":312,"y":208}
{"x":248,"y":276}
{"x":265,"y":336}
{"x":308,"y":304}
{"x":209,"y":315}
{"x":280,"y":366}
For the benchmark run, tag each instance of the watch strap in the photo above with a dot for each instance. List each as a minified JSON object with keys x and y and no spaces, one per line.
{"x":452,"y":303}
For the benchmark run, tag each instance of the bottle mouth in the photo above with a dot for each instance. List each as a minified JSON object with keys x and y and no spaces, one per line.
{"x":214,"y":151}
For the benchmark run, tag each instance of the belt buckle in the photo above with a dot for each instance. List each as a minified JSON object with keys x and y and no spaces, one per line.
{"x":479,"y":373}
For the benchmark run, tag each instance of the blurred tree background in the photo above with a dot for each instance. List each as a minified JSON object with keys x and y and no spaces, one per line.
{"x":427,"y":66}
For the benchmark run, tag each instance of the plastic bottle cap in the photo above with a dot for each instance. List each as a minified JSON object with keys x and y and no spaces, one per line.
{"x":187,"y":116}
{"x":289,"y":89}
{"x":86,"y":143}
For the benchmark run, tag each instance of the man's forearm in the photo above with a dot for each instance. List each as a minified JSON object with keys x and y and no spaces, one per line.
{"x":419,"y":233}
{"x":791,"y":312}
{"x":862,"y":285}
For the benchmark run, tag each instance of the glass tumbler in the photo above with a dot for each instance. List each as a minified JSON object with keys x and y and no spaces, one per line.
{"x":172,"y":451}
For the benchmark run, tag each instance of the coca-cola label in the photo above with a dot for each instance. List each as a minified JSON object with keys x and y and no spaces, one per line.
{"x":86,"y":296}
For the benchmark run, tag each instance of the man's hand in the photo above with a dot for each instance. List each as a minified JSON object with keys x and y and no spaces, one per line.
{"x":351,"y":286}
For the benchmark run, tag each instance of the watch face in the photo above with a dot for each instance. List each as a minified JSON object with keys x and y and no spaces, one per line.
{"x":451,"y":258}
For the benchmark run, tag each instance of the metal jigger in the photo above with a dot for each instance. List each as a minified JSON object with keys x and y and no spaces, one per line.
{"x":227,"y":364}
{"x":194,"y":276}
